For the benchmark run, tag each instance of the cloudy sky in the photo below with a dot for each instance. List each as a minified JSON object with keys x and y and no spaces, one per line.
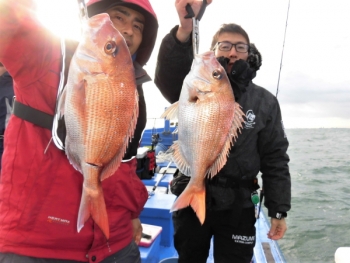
{"x":314,"y":87}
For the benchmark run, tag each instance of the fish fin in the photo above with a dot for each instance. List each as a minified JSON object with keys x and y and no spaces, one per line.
{"x":115,"y":163}
{"x":238,"y":120}
{"x":236,"y":127}
{"x":180,"y":161}
{"x":193,"y":198}
{"x":93,"y":204}
{"x":172,"y":112}
{"x":135,"y":116}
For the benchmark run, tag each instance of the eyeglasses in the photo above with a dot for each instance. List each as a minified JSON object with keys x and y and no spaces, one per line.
{"x":227,"y":46}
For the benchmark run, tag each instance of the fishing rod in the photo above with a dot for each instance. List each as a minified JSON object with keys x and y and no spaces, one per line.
{"x":82,"y":10}
{"x":161,"y":176}
{"x":284,"y":40}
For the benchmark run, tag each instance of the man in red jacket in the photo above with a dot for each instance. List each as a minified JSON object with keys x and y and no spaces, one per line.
{"x":39,"y":190}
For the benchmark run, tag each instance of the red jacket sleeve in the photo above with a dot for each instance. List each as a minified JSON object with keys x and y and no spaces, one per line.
{"x":31,"y":54}
{"x":25,"y":44}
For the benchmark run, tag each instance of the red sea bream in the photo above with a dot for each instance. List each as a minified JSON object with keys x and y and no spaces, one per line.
{"x":100,"y":108}
{"x":209,"y":120}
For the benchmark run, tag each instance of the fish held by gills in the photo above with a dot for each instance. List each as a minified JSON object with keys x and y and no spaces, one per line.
{"x":209,"y":120}
{"x":100,"y":108}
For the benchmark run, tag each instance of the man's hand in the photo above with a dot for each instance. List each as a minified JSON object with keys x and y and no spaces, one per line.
{"x":137,"y":230}
{"x":278,"y":228}
{"x":185,"y":27}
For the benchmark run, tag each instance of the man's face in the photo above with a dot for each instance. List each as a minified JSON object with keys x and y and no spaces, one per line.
{"x":130,"y":24}
{"x":232,"y":54}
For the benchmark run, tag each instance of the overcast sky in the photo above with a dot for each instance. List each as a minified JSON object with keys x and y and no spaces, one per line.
{"x":314,"y":88}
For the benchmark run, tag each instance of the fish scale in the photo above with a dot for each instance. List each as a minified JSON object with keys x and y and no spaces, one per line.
{"x":209,"y":120}
{"x":100,"y":109}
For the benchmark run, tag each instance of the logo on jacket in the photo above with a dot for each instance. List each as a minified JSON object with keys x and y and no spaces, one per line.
{"x":249,"y":123}
{"x":247,"y":240}
{"x":56,"y":220}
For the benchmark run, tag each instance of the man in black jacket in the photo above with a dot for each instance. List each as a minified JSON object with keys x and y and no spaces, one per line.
{"x":261,"y":147}
{"x":6,"y":95}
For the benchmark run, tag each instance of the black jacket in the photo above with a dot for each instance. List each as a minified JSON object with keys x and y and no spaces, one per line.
{"x":262,"y":145}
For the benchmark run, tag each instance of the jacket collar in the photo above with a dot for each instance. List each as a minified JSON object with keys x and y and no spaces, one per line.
{"x":140,"y":74}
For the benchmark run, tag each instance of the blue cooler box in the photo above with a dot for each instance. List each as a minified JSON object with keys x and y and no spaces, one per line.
{"x":151,"y":254}
{"x":157,"y":212}
{"x":150,"y":246}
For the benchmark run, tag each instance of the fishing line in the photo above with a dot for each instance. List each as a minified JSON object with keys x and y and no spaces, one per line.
{"x":284,"y":40}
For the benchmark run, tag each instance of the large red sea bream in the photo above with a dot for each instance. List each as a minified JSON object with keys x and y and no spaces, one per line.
{"x":209,"y":120}
{"x":100,"y":108}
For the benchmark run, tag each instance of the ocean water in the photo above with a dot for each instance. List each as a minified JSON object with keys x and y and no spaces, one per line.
{"x":319,"y":220}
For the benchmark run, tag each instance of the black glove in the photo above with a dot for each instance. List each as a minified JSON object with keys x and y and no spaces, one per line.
{"x":239,"y":77}
{"x":242,"y":72}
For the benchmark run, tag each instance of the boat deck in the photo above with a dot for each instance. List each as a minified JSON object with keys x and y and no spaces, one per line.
{"x":157,"y":212}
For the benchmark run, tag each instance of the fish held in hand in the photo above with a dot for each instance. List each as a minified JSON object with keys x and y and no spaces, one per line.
{"x":100,"y":108}
{"x":209,"y":120}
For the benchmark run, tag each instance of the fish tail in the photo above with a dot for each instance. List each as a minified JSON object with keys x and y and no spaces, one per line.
{"x":193,"y":198}
{"x":93,"y":204}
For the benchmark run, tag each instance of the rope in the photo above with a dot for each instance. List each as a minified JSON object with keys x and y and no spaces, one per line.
{"x":164,"y":156}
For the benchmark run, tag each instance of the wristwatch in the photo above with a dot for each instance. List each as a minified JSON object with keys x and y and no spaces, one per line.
{"x":280,"y":215}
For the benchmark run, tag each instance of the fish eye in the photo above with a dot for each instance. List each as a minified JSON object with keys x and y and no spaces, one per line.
{"x":217,"y":74}
{"x":110,"y":47}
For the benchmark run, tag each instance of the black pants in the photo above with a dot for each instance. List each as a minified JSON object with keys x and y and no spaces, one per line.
{"x":129,"y":254}
{"x":233,"y":232}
